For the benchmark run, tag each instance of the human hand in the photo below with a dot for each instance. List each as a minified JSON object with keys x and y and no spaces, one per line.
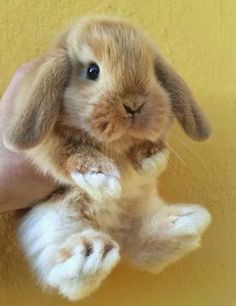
{"x":21,"y":185}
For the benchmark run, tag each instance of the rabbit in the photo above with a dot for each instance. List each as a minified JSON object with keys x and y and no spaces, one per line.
{"x":94,"y":113}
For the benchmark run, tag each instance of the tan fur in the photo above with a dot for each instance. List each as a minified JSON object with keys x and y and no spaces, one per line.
{"x":69,"y":125}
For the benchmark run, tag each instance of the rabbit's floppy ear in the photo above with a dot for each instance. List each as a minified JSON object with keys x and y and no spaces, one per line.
{"x":183,"y":104}
{"x":38,"y":101}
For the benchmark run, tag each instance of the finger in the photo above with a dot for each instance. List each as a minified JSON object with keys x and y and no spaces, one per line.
{"x":18,"y":76}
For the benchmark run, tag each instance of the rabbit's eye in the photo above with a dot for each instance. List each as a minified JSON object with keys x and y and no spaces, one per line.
{"x":92,"y":72}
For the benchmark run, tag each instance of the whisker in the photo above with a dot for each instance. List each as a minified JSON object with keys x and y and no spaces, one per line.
{"x":172,"y":165}
{"x":179,"y":171}
{"x":118,"y":154}
{"x":190,"y":149}
{"x":177,"y":155}
{"x":106,"y":150}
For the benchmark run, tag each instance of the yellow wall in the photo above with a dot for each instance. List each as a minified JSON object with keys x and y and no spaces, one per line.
{"x":199,"y":38}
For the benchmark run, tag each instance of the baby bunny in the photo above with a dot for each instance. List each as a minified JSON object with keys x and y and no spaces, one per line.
{"x":94,"y":113}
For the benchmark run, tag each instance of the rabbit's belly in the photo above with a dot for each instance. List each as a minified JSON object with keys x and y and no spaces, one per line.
{"x":114,"y":216}
{"x":137,"y":186}
{"x":118,"y":216}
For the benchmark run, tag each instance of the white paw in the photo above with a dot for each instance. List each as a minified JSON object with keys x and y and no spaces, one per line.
{"x":178,"y":231}
{"x":82,"y":264}
{"x":156,"y":162}
{"x":99,"y":185}
{"x":189,"y":220}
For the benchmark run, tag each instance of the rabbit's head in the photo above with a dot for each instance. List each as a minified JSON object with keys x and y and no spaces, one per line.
{"x":104,"y":78}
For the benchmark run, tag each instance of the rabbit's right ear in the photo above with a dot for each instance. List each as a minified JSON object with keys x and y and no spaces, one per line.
{"x":39,"y":102}
{"x":184,"y":106}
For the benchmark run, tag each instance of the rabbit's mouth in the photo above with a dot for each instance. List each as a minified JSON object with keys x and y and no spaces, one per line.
{"x":140,"y":118}
{"x":137,"y":127}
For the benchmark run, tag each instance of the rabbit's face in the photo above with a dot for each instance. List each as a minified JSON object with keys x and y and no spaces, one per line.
{"x":105,"y":78}
{"x":113,"y":91}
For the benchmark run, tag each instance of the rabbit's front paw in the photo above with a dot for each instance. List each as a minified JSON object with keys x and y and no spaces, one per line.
{"x":99,"y":185}
{"x":149,"y":158}
{"x":82,"y":263}
{"x":156,"y":162}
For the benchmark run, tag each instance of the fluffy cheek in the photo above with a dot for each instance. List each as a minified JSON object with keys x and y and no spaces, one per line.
{"x":77,"y":108}
{"x":108,"y":121}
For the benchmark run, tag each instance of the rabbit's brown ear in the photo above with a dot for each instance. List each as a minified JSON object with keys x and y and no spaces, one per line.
{"x":38,"y":101}
{"x":184,"y":106}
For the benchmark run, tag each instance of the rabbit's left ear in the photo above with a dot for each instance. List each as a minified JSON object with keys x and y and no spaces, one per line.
{"x":39,"y":102}
{"x":183,"y":104}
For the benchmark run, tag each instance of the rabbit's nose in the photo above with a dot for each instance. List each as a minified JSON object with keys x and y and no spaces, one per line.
{"x":133,"y":110}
